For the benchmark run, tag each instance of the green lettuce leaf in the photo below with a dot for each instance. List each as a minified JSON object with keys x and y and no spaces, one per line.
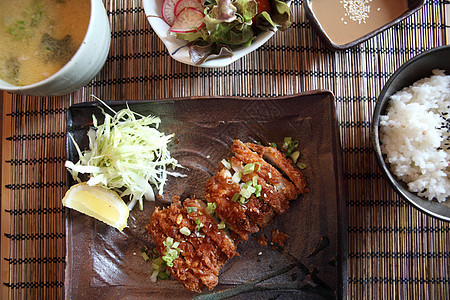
{"x":230,"y":24}
{"x":280,"y":14}
{"x":247,"y":9}
{"x":232,"y":34}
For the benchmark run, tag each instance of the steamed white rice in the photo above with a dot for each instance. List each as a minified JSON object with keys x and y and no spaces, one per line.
{"x":415,"y":136}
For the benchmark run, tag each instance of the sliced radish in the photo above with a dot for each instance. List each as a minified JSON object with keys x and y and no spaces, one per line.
{"x":182,"y":4}
{"x":168,"y":11}
{"x":188,"y":20}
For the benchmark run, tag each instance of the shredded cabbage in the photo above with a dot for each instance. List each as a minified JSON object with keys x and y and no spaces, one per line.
{"x":128,"y":154}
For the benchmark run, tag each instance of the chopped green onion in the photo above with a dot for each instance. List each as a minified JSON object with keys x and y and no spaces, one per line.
{"x":154,"y":275}
{"x":144,"y":254}
{"x":289,"y":145}
{"x":191,"y":209}
{"x":171,"y":252}
{"x":258,"y":189}
{"x":243,"y":200}
{"x":159,"y":270}
{"x":211,"y":208}
{"x":237,"y":177}
{"x":301,"y":166}
{"x":270,"y":175}
{"x":157,"y":263}
{"x":199,"y":224}
{"x":226,"y":164}
{"x":221,"y":225}
{"x":185,"y":231}
{"x":168,"y":242}
{"x":254,"y":180}
{"x":235,"y":197}
{"x":247,"y":190}
{"x":295,"y":155}
{"x":163,"y":275}
{"x":273,"y":145}
{"x":249,"y":168}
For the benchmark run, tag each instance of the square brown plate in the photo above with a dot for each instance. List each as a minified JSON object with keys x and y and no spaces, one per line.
{"x":105,"y":263}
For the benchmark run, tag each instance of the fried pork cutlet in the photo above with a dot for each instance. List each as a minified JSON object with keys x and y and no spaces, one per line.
{"x":278,"y":159}
{"x":251,"y":190}
{"x":247,"y":191}
{"x":203,"y":247}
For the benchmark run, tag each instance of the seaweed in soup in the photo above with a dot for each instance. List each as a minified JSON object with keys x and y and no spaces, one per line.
{"x":57,"y":50}
{"x":41,"y":34}
{"x":10,"y":69}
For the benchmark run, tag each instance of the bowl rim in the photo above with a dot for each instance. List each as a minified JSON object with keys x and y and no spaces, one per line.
{"x":382,"y":101}
{"x":23,"y":88}
{"x":417,"y":4}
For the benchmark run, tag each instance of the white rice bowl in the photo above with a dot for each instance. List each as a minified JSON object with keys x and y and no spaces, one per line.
{"x":415,"y":136}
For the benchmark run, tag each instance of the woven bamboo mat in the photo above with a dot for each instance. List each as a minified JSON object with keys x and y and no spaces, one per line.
{"x":394,"y":251}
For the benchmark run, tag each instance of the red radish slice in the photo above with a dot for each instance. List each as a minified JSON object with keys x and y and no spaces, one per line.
{"x":182,"y":4}
{"x":168,"y":11}
{"x":188,"y":20}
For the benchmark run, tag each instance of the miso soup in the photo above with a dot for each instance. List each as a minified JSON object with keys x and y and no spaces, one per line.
{"x":38,"y":37}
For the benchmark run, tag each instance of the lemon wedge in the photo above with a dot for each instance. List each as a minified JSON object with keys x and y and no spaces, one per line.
{"x":98,"y":202}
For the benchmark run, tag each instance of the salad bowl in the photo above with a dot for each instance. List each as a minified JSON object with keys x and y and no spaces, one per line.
{"x":180,"y":52}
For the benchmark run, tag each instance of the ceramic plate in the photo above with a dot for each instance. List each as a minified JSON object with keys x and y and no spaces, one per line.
{"x":177,"y":47}
{"x":105,"y":263}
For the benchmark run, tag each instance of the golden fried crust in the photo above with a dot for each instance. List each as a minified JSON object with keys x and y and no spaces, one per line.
{"x":206,"y":249}
{"x":276,"y":199}
{"x":281,"y":162}
{"x":210,"y":229}
{"x":220,"y":190}
{"x":203,"y":253}
{"x":268,"y":172}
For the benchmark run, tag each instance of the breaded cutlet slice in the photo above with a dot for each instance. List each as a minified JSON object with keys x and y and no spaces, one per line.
{"x":267,"y":171}
{"x":276,"y":199}
{"x":220,"y":190}
{"x":280,"y":161}
{"x":247,"y":215}
{"x":204,"y":248}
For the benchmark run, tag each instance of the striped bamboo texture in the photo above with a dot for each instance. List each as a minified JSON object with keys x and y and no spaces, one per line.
{"x":394,"y":251}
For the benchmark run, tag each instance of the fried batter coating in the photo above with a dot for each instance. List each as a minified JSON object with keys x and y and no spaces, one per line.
{"x":268,"y":172}
{"x":256,"y":211}
{"x":203,"y":252}
{"x":246,"y":196}
{"x":277,"y":158}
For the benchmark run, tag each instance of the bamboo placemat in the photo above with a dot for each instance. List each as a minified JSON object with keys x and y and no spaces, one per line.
{"x":394,"y":251}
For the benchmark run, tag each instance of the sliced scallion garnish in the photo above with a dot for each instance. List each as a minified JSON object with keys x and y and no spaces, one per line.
{"x":258,"y":189}
{"x":248,"y":168}
{"x":171,"y":252}
{"x":235,"y":197}
{"x":199,"y":224}
{"x":301,"y":166}
{"x":295,"y":155}
{"x":185,"y":231}
{"x":191,"y":209}
{"x":211,"y":208}
{"x":226,"y":164}
{"x":221,"y":225}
